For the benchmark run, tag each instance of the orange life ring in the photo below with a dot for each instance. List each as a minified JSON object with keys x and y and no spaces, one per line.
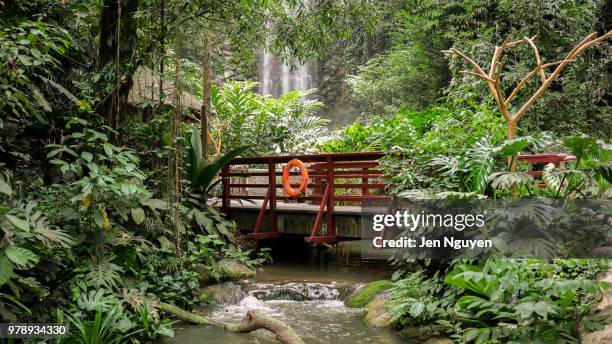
{"x":286,"y":183}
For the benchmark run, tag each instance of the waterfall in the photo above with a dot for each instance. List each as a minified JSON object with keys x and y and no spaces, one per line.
{"x":265,"y":73}
{"x":277,"y":78}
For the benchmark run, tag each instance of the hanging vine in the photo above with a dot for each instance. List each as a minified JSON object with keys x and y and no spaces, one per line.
{"x":175,"y":161}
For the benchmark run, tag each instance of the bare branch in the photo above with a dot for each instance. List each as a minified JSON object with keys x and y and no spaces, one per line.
{"x":478,"y":75}
{"x":550,"y":64}
{"x":536,"y":52}
{"x":587,"y":42}
{"x":593,"y":42}
{"x":463,"y":56}
{"x":517,"y":42}
{"x":520,"y":85}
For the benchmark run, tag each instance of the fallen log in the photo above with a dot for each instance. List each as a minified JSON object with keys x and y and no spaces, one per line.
{"x":253,"y":321}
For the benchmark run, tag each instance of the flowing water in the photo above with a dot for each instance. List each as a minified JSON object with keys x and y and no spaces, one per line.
{"x":276,"y":77}
{"x":307,"y":295}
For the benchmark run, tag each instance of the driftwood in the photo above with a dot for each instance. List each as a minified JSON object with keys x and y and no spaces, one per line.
{"x":253,"y":321}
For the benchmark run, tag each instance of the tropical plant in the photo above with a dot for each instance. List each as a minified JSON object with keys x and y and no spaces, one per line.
{"x":104,"y":328}
{"x":151,"y":327}
{"x":502,"y":300}
{"x":26,"y":238}
{"x":203,"y":174}
{"x":416,"y":299}
{"x":265,"y":125}
{"x":519,"y":300}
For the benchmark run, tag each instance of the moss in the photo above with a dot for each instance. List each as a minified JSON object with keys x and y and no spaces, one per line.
{"x":367,"y":294}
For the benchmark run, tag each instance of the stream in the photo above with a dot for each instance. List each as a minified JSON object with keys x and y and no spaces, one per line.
{"x":306,"y":294}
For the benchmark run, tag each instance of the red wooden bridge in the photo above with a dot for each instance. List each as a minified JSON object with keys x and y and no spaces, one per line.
{"x":340,"y":183}
{"x":351,"y":178}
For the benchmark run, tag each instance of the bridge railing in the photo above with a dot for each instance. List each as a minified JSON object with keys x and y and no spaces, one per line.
{"x":351,"y":178}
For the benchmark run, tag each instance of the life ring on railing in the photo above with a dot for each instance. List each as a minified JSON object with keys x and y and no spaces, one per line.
{"x":286,"y":182}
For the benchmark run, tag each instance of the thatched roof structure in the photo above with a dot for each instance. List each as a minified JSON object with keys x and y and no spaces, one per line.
{"x":146,"y":88}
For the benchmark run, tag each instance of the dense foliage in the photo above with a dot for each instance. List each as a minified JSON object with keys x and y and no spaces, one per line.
{"x":413,"y":72}
{"x":501,"y":301}
{"x":117,"y":116}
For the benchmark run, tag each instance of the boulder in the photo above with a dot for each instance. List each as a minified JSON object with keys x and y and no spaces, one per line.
{"x":361,"y":297}
{"x":233,"y":270}
{"x":225,"y":293}
{"x":377,"y":315}
{"x":604,"y":307}
{"x":204,"y":274}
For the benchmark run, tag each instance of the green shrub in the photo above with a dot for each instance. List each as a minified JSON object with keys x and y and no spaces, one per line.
{"x":503,"y":300}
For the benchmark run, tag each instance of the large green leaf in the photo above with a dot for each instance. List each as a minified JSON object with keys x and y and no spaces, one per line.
{"x":6,"y":269}
{"x":202,"y":174}
{"x":155,"y":203}
{"x":205,"y":222}
{"x":22,"y":257}
{"x":18,"y":223}
{"x":581,"y":145}
{"x":138,"y":215}
{"x":5,"y":188}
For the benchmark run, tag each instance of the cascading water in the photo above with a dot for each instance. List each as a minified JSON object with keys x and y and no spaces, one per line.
{"x":306,"y":288}
{"x":316,"y":311}
{"x":277,"y":78}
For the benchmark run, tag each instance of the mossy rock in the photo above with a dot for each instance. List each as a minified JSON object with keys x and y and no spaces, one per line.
{"x":365,"y":295}
{"x":225,"y":294}
{"x":377,"y":315}
{"x":205,"y":276}
{"x":233,"y":270}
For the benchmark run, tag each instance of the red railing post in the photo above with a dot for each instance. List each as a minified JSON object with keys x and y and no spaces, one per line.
{"x":331,"y":225}
{"x":272,"y":181}
{"x":365,"y":181}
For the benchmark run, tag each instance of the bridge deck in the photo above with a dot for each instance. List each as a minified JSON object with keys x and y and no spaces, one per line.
{"x":302,"y":208}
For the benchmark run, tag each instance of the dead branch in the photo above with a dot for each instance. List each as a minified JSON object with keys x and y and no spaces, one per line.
{"x":493,"y":78}
{"x":253,"y":321}
{"x":478,"y":75}
{"x":536,"y":52}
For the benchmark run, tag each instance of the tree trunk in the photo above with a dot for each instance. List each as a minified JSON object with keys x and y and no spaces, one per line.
{"x":511,"y":135}
{"x":206,"y":83}
{"x":117,"y":42}
{"x":253,"y":321}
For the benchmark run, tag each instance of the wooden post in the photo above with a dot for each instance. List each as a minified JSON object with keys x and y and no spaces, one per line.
{"x":225,"y":194}
{"x":262,"y":211}
{"x":272,"y":181}
{"x":331,"y":225}
{"x":365,"y":180}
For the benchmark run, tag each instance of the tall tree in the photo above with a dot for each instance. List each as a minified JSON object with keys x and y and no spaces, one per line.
{"x":116,"y":52}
